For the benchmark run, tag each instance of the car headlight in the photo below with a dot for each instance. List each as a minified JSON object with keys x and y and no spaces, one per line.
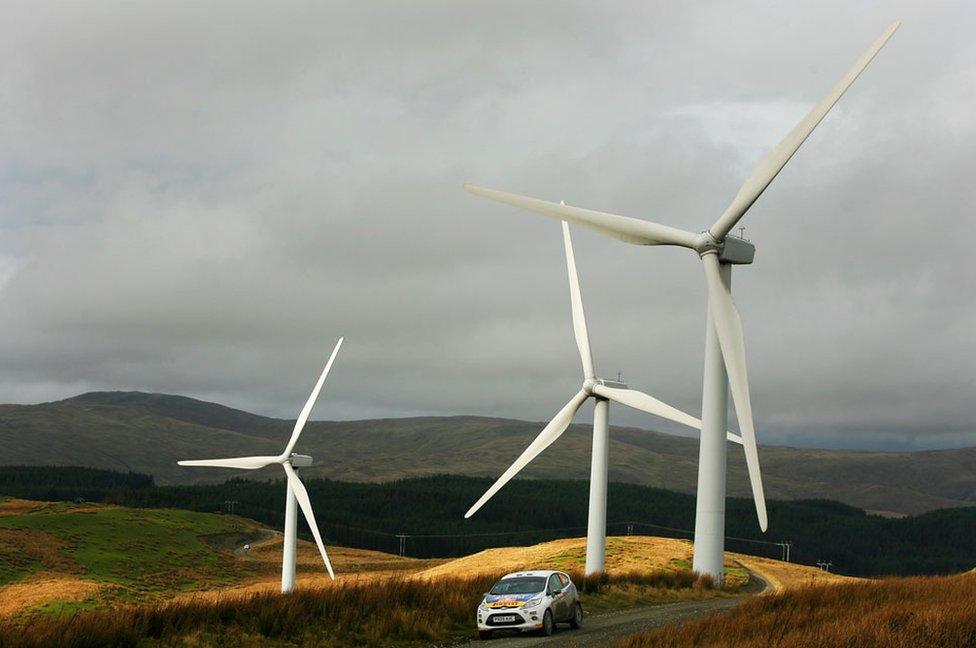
{"x":533,"y":602}
{"x":483,"y":607}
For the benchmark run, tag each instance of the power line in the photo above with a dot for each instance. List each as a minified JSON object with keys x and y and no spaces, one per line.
{"x":785,"y":546}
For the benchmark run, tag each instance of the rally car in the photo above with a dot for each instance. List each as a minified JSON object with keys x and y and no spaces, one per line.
{"x":532,"y":600}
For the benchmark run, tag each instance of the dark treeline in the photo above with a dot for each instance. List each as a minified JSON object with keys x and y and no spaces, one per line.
{"x":58,"y":483}
{"x":429,"y":510}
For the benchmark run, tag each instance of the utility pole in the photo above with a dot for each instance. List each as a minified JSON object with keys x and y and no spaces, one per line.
{"x":229,"y":506}
{"x":630,"y":528}
{"x":403,"y":542}
{"x":786,"y":548}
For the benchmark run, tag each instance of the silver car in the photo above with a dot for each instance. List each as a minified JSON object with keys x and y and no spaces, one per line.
{"x":530,"y":600}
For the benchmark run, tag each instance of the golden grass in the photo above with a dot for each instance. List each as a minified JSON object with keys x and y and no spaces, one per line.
{"x":44,"y":588}
{"x":782,"y":575}
{"x":890,"y":613}
{"x":624,"y":554}
{"x":350,"y":566}
{"x":13,"y":506}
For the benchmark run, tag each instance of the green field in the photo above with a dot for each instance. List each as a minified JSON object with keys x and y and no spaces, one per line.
{"x":137,"y":552}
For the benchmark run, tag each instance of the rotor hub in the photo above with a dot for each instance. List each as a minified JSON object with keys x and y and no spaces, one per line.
{"x":590,"y":383}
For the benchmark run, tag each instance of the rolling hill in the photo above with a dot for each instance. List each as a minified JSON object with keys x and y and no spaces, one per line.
{"x":149,"y":432}
{"x":62,"y":556}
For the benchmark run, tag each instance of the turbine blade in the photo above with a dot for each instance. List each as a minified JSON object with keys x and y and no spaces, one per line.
{"x":307,"y":410}
{"x":550,"y":433}
{"x":725,"y":319}
{"x":776,"y":159}
{"x":645,"y":403}
{"x":298,"y":488}
{"x":630,"y":230}
{"x":579,"y":318}
{"x":247,"y":463}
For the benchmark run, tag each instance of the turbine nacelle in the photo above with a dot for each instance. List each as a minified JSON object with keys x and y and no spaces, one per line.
{"x":300,"y":460}
{"x":733,"y":250}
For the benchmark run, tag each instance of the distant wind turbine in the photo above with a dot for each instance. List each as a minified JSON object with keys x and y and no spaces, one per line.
{"x":725,"y":360}
{"x":602,"y":391}
{"x":295,"y":490}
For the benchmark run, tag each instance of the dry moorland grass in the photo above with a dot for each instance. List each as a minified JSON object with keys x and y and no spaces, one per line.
{"x":890,"y":613}
{"x":624,"y":554}
{"x":44,"y":588}
{"x":13,"y":506}
{"x":783,"y":576}
{"x":352,"y":613}
{"x":351,"y":565}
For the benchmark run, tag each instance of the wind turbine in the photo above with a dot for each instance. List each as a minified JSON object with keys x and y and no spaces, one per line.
{"x":725,"y":363}
{"x":602,"y":391}
{"x":294,"y":489}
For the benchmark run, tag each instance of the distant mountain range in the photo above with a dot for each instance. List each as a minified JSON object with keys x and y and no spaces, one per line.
{"x":150,"y":432}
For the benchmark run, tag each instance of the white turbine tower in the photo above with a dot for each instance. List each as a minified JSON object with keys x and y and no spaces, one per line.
{"x":603,"y":391}
{"x":295,"y":489}
{"x":725,"y":363}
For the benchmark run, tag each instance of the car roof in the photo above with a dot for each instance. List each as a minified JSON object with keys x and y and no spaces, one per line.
{"x":540,"y":573}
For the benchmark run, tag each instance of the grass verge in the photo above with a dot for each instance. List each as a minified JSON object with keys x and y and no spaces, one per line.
{"x":890,"y":613}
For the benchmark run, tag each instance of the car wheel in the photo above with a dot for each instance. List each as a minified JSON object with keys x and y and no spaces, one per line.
{"x":548,"y":624}
{"x":577,"y":621}
{"x":484,"y":635}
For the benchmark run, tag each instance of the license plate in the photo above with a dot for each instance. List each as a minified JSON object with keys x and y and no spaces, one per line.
{"x":506,"y":618}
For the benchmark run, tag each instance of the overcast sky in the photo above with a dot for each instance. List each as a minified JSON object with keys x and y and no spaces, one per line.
{"x":199,"y":198}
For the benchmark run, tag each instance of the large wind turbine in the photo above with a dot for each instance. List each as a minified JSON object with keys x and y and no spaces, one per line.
{"x":295,"y":489}
{"x":725,"y":363}
{"x":603,"y":391}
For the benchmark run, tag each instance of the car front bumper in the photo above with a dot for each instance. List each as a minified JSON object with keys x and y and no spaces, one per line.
{"x":521,"y":619}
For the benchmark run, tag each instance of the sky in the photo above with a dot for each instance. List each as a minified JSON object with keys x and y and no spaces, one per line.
{"x":199,"y":198}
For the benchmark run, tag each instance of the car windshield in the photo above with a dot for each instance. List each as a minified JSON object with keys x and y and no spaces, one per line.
{"x":519,"y":585}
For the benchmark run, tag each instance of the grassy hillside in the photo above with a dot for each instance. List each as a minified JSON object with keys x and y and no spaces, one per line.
{"x":123,"y":554}
{"x":150,"y":432}
{"x":62,"y":556}
{"x":892,"y":613}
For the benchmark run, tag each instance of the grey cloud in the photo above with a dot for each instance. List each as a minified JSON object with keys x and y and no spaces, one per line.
{"x":199,"y":199}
